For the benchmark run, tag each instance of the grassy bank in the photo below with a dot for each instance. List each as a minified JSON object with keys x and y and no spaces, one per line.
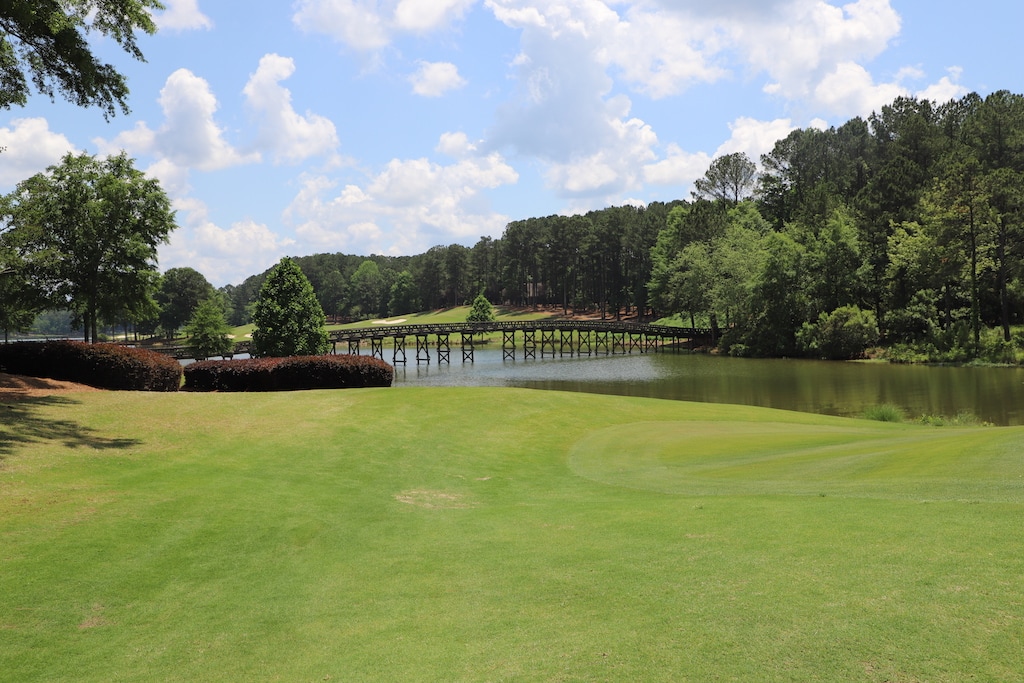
{"x":456,"y":314}
{"x":499,"y":534}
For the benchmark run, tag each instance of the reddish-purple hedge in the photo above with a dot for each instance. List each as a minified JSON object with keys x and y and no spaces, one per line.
{"x":108,"y":366}
{"x":288,"y":374}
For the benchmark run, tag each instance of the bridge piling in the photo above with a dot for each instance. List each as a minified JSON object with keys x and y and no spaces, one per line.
{"x":377,"y":347}
{"x":399,"y":348}
{"x":508,"y":345}
{"x":467,"y":347}
{"x":583,"y":339}
{"x":422,"y":349}
{"x":619,"y":342}
{"x":547,"y":342}
{"x":530,"y":344}
{"x":566,"y":340}
{"x":443,"y":349}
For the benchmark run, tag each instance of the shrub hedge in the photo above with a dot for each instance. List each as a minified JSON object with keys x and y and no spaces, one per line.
{"x":107,"y":366}
{"x":288,"y":374}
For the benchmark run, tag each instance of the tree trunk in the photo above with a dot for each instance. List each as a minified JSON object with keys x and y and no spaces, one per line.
{"x":975,"y":302}
{"x":1004,"y":298}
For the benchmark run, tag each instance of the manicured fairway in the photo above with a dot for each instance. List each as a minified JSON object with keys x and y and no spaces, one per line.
{"x":424,"y":534}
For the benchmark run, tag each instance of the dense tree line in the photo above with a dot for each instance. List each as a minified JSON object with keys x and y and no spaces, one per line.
{"x":913,"y":216}
{"x":600,"y":261}
{"x":904,"y":229}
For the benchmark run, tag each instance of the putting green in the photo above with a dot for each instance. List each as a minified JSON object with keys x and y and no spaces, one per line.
{"x":775,"y":458}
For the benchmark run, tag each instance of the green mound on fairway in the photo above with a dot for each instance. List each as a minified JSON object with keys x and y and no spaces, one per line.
{"x":701,"y":458}
{"x":472,"y":534}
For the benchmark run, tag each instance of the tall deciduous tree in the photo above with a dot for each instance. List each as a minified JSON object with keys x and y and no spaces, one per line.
{"x":88,"y":230}
{"x":367,"y":285}
{"x":180,"y":293}
{"x":730,"y":177}
{"x":19,"y":300}
{"x":289,"y":320}
{"x":403,"y":297}
{"x":45,"y":42}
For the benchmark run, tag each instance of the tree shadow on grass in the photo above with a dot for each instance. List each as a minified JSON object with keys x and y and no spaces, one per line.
{"x":22,"y":424}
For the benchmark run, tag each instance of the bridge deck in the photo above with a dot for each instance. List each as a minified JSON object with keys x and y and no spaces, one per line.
{"x":572,"y":337}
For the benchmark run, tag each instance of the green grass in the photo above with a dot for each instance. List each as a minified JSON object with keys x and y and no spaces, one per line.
{"x":447,"y":315}
{"x":885,"y":412}
{"x":429,"y":534}
{"x":454,"y":315}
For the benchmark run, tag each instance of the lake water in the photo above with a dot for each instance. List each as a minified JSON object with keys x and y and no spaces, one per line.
{"x":995,"y":395}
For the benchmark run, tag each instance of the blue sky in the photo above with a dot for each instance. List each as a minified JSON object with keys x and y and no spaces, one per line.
{"x":390,"y":126}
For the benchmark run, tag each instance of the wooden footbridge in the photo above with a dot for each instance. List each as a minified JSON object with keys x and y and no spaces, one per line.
{"x":519,"y":339}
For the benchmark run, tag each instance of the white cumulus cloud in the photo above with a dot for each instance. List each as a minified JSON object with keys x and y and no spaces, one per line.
{"x":434,"y":79}
{"x":426,"y":15}
{"x":291,"y":136}
{"x":946,"y":89}
{"x":27,"y":147}
{"x":368,"y":25}
{"x":189,"y":136}
{"x":223,"y":255}
{"x":679,"y":167}
{"x":407,"y":207}
{"x":182,"y":15}
{"x":753,"y":137}
{"x":617,"y":168}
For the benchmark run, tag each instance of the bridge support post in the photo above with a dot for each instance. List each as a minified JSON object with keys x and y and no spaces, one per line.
{"x":583,"y":339}
{"x":530,"y":344}
{"x":636,"y":341}
{"x":508,"y":345}
{"x":566,"y":339}
{"x":422,"y":349}
{"x":377,"y":347}
{"x":618,"y":342}
{"x":467,"y":347}
{"x":547,"y":341}
{"x":443,"y":349}
{"x":398,"y":355}
{"x":353,"y":347}
{"x":601,"y":339}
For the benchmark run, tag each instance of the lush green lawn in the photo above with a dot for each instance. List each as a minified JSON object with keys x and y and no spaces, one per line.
{"x":446,"y":315}
{"x":454,"y":315}
{"x":500,"y":534}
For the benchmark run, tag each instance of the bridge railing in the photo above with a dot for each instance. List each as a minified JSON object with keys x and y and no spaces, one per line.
{"x":519,"y":325}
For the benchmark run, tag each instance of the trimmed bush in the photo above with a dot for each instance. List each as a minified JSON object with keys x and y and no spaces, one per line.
{"x":107,"y":366}
{"x":288,"y":374}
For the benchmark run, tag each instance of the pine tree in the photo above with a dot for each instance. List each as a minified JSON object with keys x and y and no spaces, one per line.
{"x":481,"y":312}
{"x":208,"y":331}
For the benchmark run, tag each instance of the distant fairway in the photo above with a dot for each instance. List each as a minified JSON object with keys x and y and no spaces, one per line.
{"x":425,"y":534}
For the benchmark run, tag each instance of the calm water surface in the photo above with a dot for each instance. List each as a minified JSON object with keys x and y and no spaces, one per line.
{"x":992,"y":394}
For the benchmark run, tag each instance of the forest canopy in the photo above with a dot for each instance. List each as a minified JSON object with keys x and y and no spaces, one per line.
{"x":912,"y":215}
{"x":901,"y":230}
